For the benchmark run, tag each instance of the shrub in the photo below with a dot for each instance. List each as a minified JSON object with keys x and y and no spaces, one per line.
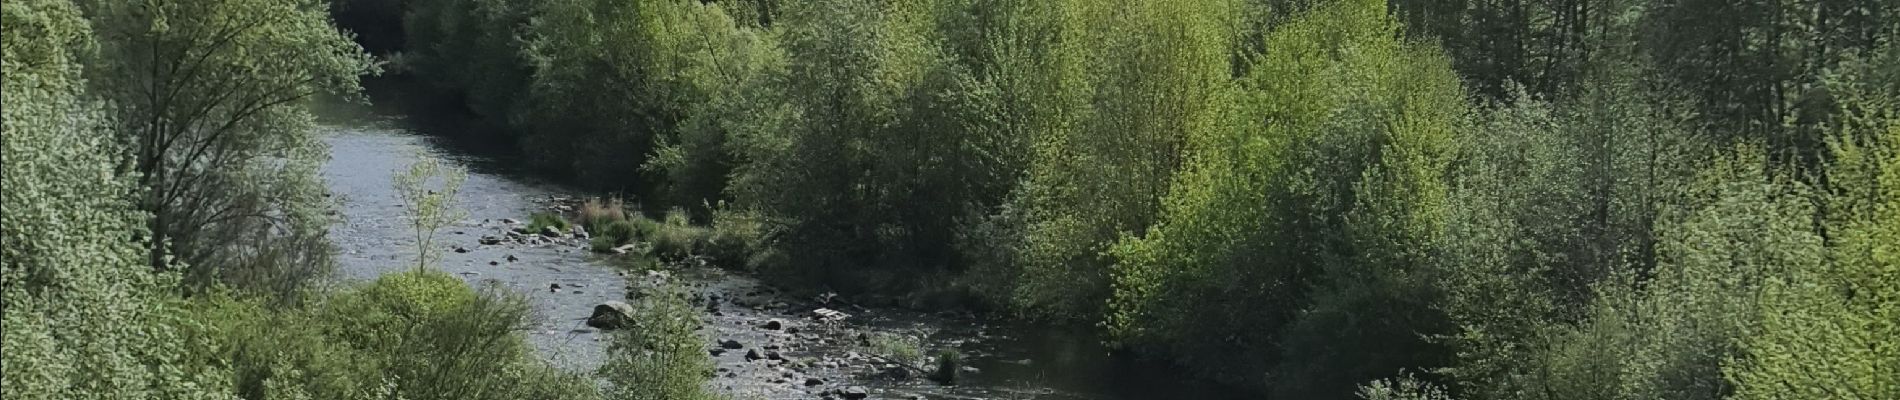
{"x":676,"y":237}
{"x":597,"y":215}
{"x":662,"y":357}
{"x":603,"y":243}
{"x":542,"y":220}
{"x":1404,"y":387}
{"x":948,"y":361}
{"x":439,"y":339}
{"x":734,"y":236}
{"x":897,"y":348}
{"x":285,"y":354}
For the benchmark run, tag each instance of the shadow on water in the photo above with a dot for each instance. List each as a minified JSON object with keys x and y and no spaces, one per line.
{"x":404,"y":104}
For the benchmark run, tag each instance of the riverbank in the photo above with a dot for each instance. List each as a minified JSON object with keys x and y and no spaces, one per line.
{"x":563,"y":281}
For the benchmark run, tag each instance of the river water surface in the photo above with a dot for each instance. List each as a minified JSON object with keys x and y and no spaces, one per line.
{"x":370,"y":143}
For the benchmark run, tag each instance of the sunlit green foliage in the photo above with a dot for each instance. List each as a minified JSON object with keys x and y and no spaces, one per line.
{"x":428,"y":191}
{"x":408,"y":335}
{"x":1289,"y":193}
{"x":1320,"y":204}
{"x":662,"y":357}
{"x":1111,"y":95}
{"x":84,"y":316}
{"x":1828,"y":331}
{"x":875,"y":163}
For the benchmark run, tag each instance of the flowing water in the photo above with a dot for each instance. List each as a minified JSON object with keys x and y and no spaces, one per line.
{"x":369,"y":143}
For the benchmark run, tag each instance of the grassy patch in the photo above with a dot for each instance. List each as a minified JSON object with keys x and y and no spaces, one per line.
{"x":596,"y":214}
{"x":897,"y":348}
{"x":542,"y":220}
{"x":948,"y":363}
{"x":676,"y":237}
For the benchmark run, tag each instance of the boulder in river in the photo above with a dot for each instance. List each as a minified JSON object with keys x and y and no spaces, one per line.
{"x":731,"y":344}
{"x":611,"y":315}
{"x":490,"y":240}
{"x":854,"y":393}
{"x":753,"y":355}
{"x":772,"y":325}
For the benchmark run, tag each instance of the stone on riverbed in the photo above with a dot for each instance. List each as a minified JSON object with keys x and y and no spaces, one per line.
{"x":854,"y":393}
{"x":731,"y":344}
{"x":490,"y":240}
{"x":772,"y":325}
{"x":611,"y":315}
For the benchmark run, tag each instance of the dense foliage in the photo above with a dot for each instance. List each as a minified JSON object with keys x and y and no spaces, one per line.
{"x":208,"y":97}
{"x":83,"y":318}
{"x":1499,"y":199}
{"x":163,"y":226}
{"x":1511,"y":199}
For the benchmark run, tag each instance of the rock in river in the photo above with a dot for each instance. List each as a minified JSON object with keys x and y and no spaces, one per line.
{"x":611,"y":315}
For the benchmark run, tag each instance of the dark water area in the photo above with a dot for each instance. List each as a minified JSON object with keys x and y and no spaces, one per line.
{"x":371,"y":142}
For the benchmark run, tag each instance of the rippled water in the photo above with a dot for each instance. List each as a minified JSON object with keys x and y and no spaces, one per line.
{"x":369,"y":143}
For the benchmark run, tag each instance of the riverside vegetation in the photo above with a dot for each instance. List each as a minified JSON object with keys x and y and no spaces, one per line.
{"x":1405,"y":199}
{"x":164,"y":230}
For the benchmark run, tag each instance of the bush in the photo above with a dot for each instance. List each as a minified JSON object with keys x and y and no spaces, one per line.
{"x":1404,"y":387}
{"x":662,"y":357}
{"x":598,"y":215}
{"x":948,"y":363}
{"x":438,"y":339}
{"x":676,"y":237}
{"x":734,"y":238}
{"x":541,"y":220}
{"x":897,"y":348}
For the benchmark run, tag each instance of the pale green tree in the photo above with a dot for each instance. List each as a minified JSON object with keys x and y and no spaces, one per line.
{"x":427,"y":190}
{"x":84,"y":317}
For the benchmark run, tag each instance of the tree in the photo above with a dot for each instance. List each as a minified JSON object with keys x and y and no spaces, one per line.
{"x":1828,"y":330}
{"x":210,"y":98}
{"x":1294,"y":242}
{"x":1132,"y":84}
{"x":428,"y":191}
{"x":84,"y":318}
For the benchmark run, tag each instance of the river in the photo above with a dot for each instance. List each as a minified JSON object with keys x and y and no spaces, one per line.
{"x":369,"y":143}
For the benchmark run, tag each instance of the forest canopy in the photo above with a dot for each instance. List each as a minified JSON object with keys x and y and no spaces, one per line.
{"x":1389,"y":199}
